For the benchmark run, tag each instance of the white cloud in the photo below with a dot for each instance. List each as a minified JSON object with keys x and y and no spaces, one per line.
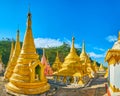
{"x":47,"y":42}
{"x":111,"y":38}
{"x":100,"y":49}
{"x":94,"y":55}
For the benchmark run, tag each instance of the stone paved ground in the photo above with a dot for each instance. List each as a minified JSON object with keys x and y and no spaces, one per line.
{"x":96,"y":88}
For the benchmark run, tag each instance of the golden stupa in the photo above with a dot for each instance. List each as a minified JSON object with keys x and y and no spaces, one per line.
{"x":28,"y":75}
{"x":13,"y":58}
{"x":90,"y":70}
{"x":71,"y":67}
{"x":71,"y":63}
{"x":86,"y":62}
{"x":57,"y":65}
{"x":106,"y":74}
{"x":48,"y":70}
{"x":95,"y":67}
{"x":101,"y":68}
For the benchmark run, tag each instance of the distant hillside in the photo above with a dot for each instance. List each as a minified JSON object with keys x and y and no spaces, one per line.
{"x":5,"y":46}
{"x":51,"y":52}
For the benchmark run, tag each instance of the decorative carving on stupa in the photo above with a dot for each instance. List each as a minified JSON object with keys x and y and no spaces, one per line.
{"x":45,"y":62}
{"x":28,"y":75}
{"x":57,"y":65}
{"x":14,"y":54}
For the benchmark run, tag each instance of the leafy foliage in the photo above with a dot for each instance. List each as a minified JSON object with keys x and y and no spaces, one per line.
{"x":5,"y":50}
{"x":5,"y":47}
{"x":52,"y":51}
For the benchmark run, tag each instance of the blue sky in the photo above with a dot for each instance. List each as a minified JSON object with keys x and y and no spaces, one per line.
{"x":97,"y":22}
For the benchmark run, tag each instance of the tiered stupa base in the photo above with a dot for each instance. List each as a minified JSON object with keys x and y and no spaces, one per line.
{"x":27,"y":88}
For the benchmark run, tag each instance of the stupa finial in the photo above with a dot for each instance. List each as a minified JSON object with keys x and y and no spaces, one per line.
{"x":72,"y":47}
{"x":18,"y":37}
{"x":83,"y":47}
{"x":119,"y":35}
{"x":29,"y":22}
{"x":12,"y":50}
{"x":43,"y":51}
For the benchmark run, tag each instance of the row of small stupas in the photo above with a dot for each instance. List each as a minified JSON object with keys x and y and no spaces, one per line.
{"x":26,"y":73}
{"x":75,"y":66}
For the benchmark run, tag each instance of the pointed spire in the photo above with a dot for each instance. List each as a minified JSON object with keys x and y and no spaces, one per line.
{"x":119,"y":36}
{"x":43,"y":51}
{"x":72,"y":47}
{"x":57,"y":63}
{"x":13,"y":59}
{"x":17,"y":44}
{"x":12,"y":50}
{"x":29,"y":22}
{"x":83,"y":47}
{"x":57,"y":57}
{"x":28,"y":44}
{"x":43,"y":59}
{"x":18,"y":37}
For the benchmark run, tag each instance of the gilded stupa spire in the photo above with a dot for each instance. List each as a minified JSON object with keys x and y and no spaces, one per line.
{"x":72,"y":47}
{"x":119,"y":36}
{"x":17,"y":45}
{"x":72,"y":53}
{"x":43,"y":51}
{"x":83,"y":47}
{"x":43,"y":59}
{"x":28,"y":39}
{"x":57,"y":63}
{"x":12,"y":50}
{"x":83,"y":55}
{"x":101,"y":68}
{"x":57,"y":57}
{"x":13,"y":59}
